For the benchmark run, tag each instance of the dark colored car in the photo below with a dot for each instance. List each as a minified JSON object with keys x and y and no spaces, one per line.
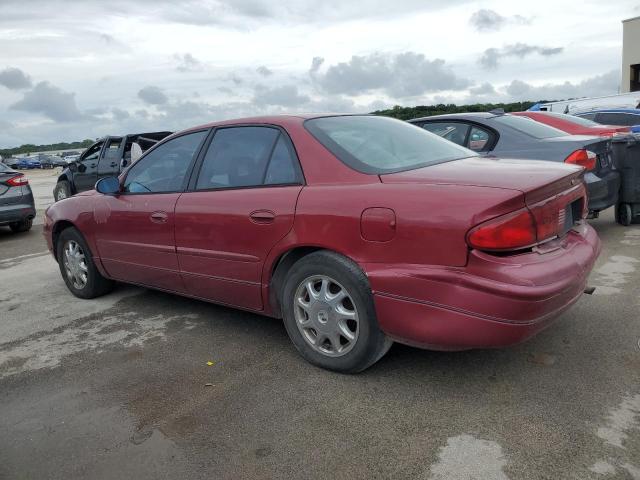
{"x":574,"y":125}
{"x":17,"y":208}
{"x":104,"y":158}
{"x":626,"y":117}
{"x":510,"y":136}
{"x":27,"y":164}
{"x":356,"y":230}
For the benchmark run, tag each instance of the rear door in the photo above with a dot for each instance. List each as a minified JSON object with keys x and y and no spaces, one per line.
{"x":135,"y":229}
{"x":241,"y":203}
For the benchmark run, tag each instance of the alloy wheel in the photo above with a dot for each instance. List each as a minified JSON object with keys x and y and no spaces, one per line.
{"x":326,"y":316}
{"x":75,"y":264}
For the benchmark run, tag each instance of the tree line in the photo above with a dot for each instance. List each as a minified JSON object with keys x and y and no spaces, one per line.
{"x":407,"y":113}
{"x":30,"y":148}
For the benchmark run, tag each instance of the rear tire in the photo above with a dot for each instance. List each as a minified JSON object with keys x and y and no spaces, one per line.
{"x":62,"y":190}
{"x":329,"y":313}
{"x":23,"y":226}
{"x":624,"y":214}
{"x":77,"y":267}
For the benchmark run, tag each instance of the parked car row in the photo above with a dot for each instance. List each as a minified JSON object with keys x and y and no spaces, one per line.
{"x":356,"y":230}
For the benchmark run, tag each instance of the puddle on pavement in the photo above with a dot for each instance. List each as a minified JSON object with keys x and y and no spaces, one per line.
{"x":466,"y":457}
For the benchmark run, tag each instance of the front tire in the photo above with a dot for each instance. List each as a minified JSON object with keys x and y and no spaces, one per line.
{"x":77,"y":267}
{"x":62,"y":190}
{"x":329,"y":313}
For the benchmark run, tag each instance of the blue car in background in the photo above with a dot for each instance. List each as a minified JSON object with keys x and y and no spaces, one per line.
{"x":624,"y":117}
{"x":27,"y":164}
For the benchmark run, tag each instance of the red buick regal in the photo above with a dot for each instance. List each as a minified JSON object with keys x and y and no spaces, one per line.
{"x":356,"y":230}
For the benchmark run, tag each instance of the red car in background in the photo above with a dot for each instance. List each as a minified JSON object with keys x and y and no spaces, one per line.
{"x":356,"y":230}
{"x":574,"y":125}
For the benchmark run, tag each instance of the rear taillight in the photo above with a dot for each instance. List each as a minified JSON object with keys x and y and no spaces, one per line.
{"x":17,"y":181}
{"x":583,"y":158}
{"x":527,"y":227}
{"x":509,"y":232}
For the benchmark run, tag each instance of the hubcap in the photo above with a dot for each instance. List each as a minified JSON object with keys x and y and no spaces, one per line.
{"x":61,"y":195}
{"x":326,"y":316}
{"x":75,"y":264}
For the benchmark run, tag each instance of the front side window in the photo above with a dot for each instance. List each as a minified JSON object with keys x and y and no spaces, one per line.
{"x":378,"y":145}
{"x":92,"y":153}
{"x":247,"y":157}
{"x":164,"y":168}
{"x":455,"y":132}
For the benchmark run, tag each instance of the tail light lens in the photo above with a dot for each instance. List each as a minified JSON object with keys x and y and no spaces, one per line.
{"x":583,"y":158}
{"x":508,"y":232}
{"x":530,"y":226}
{"x":17,"y":181}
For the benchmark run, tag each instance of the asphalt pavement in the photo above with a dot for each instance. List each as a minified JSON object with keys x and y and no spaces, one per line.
{"x":119,"y":387}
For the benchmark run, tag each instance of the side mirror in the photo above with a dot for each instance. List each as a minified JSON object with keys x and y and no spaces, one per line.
{"x":108,"y":185}
{"x":81,"y":167}
{"x":73,"y":167}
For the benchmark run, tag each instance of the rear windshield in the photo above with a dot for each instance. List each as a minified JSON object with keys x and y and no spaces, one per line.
{"x":377,"y":145}
{"x":4,"y":168}
{"x":530,"y":127}
{"x":573,"y":119}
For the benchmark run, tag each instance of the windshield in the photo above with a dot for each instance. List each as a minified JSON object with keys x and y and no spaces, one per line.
{"x":573,"y":119}
{"x":529,"y":127}
{"x":378,"y":145}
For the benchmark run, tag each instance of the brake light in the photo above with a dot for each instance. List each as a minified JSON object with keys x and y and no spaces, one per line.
{"x":18,"y":181}
{"x":530,"y":226}
{"x":509,"y":232}
{"x":583,"y":158}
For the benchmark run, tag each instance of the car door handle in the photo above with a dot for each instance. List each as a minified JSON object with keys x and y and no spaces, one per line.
{"x":159,"y":217}
{"x":262,"y":216}
{"x":113,"y":164}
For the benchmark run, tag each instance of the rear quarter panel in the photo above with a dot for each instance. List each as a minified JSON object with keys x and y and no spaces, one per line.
{"x":431,"y":221}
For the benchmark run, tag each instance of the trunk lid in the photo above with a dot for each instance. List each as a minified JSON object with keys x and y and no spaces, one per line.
{"x":537,"y":180}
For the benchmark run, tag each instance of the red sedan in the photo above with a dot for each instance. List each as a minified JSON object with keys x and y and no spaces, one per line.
{"x":574,"y":125}
{"x":356,"y":230}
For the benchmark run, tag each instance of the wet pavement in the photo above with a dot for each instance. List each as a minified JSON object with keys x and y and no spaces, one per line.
{"x":119,"y":387}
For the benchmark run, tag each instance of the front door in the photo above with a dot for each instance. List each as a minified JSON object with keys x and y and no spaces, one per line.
{"x":241,"y":204}
{"x":135,"y":229}
{"x":86,"y":175}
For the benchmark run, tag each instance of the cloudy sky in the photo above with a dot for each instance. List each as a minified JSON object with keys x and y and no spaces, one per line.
{"x":75,"y":69}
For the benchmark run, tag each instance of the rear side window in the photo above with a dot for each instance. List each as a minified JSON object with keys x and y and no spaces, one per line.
{"x":479,"y":139}
{"x":248,"y":157}
{"x":529,"y":127}
{"x":455,"y":132}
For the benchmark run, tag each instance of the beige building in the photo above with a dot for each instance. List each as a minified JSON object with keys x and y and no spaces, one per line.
{"x":630,"y":55}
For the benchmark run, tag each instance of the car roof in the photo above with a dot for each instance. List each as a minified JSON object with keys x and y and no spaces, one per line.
{"x":460,"y":116}
{"x":271,"y":119}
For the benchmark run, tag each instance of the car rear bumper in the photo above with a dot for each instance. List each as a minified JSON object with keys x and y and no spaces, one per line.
{"x":492,"y":302}
{"x":602,"y":189}
{"x":16,"y":213}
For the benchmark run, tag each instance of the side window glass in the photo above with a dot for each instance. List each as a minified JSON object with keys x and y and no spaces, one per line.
{"x":283,"y":166}
{"x":478,"y":139}
{"x":164,"y":168}
{"x":455,"y":132}
{"x":588,"y":116}
{"x":112,"y":148}
{"x":92,"y":153}
{"x":237,"y":157}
